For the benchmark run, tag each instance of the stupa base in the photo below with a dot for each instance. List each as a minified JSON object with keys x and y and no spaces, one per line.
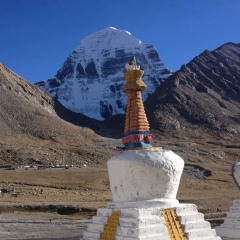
{"x":230,"y":229}
{"x":162,"y":220}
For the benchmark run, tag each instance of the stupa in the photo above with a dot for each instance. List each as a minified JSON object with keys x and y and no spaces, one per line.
{"x":144,"y":181}
{"x":230,"y":229}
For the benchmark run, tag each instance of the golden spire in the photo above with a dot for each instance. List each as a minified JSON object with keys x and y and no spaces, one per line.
{"x":136,"y":132}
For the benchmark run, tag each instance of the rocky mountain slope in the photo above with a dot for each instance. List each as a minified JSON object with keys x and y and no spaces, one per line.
{"x":91,"y":79}
{"x":203,"y":93}
{"x":23,"y":105}
{"x":31,"y":130}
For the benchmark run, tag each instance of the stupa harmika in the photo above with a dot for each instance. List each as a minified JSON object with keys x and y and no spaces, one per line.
{"x":144,"y":182}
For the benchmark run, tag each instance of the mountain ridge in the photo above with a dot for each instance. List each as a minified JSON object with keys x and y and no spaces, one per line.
{"x":204,"y":92}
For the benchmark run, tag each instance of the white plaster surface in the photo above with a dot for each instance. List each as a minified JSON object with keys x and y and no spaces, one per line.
{"x":236,"y":173}
{"x":230,"y":229}
{"x":159,"y":202}
{"x":137,"y":175}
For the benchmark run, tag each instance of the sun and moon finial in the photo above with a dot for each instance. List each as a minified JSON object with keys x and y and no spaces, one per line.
{"x":132,"y":65}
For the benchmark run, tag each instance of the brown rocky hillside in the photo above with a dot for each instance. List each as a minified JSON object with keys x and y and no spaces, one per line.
{"x":205,"y":93}
{"x":31,"y":130}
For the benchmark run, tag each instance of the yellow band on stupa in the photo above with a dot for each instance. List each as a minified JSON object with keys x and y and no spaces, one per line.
{"x":175,"y":228}
{"x":110,"y":230}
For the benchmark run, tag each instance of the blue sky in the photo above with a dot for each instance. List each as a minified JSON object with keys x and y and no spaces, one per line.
{"x":37,"y":36}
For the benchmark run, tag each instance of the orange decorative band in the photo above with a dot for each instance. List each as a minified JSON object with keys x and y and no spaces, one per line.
{"x":135,"y":138}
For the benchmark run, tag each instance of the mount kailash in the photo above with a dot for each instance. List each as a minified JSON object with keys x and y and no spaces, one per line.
{"x":92,"y":78}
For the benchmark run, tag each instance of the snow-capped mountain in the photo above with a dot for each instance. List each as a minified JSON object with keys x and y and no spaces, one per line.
{"x":92,"y":78}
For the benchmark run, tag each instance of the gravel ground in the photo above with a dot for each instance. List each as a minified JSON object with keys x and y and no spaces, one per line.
{"x":46,"y":228}
{"x":39,"y":229}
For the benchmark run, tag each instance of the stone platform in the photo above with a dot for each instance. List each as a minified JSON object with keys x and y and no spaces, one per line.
{"x":182,"y":222}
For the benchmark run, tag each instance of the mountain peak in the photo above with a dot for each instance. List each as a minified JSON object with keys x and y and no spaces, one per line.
{"x":110,"y":38}
{"x":91,"y":79}
{"x":113,"y":29}
{"x":116,"y":29}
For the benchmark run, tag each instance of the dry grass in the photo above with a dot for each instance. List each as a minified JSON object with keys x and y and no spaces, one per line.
{"x":88,"y":187}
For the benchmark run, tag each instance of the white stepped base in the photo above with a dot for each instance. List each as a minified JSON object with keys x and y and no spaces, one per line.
{"x":149,"y":224}
{"x":230,"y":229}
{"x":155,"y":237}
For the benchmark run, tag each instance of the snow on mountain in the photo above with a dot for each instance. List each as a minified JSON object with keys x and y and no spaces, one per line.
{"x":91,"y":79}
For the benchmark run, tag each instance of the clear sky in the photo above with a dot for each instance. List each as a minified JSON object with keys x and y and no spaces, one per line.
{"x":37,"y":36}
